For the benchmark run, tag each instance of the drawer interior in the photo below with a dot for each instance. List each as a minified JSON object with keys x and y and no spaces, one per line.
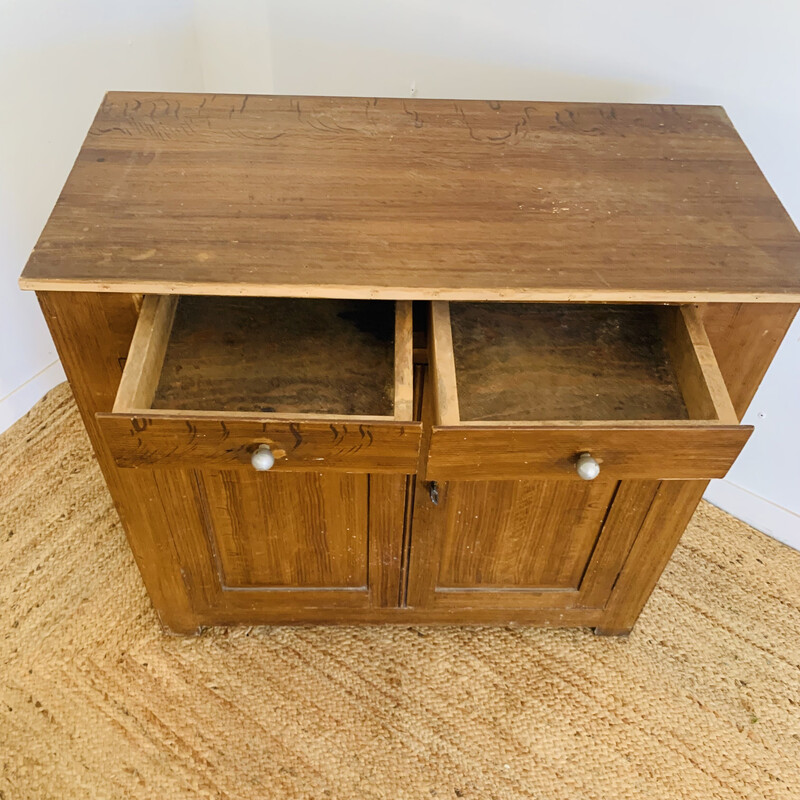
{"x":261,"y":356}
{"x":550,"y":362}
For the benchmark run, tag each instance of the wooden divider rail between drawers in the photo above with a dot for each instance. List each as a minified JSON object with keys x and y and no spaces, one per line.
{"x":140,"y":436}
{"x":701,"y":447}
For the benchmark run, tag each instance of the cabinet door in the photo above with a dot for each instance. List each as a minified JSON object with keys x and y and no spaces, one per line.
{"x":290,"y":545}
{"x":523,"y":544}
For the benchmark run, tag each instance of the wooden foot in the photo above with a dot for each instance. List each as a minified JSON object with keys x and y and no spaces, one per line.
{"x":612,"y":631}
{"x":181,"y":629}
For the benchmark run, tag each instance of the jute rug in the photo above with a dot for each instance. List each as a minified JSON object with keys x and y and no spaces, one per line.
{"x":702,"y":701}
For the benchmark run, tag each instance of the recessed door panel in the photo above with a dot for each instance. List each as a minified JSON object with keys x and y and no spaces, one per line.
{"x":288,"y":530}
{"x":510,"y":535}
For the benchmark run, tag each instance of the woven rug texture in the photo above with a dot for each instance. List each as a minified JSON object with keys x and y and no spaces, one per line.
{"x":701,"y":701}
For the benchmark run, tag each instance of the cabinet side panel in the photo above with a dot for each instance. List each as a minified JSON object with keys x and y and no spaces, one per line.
{"x":92,"y":334}
{"x":745,"y":338}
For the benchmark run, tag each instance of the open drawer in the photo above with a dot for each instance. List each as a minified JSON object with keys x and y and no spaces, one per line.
{"x":317,"y":384}
{"x":564,"y":391}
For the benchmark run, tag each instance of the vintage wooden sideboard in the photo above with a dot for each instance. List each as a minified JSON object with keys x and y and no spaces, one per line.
{"x":360,"y":360}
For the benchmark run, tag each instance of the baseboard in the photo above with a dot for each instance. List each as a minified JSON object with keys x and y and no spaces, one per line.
{"x":20,"y":401}
{"x":764,"y":515}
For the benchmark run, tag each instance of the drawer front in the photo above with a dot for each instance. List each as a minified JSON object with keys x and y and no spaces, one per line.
{"x":228,"y":441}
{"x":310,"y":385}
{"x":496,"y":453}
{"x":502,"y":372}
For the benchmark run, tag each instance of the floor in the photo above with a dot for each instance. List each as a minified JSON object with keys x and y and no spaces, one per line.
{"x":701,"y":701}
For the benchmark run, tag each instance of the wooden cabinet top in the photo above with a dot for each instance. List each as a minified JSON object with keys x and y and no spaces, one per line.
{"x":394,"y":198}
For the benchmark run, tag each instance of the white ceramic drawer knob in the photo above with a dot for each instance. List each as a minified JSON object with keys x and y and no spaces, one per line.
{"x":262,"y":458}
{"x":587,"y":467}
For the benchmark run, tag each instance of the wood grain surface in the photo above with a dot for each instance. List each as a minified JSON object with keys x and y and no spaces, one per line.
{"x":142,"y":372}
{"x":442,"y":365}
{"x":637,"y":451}
{"x":702,"y":385}
{"x":92,"y":333}
{"x":289,"y":356}
{"x":284,"y":531}
{"x":184,"y":439}
{"x":745,"y":338}
{"x":522,"y":361}
{"x":524,"y":534}
{"x":393,"y":198}
{"x":668,"y":515}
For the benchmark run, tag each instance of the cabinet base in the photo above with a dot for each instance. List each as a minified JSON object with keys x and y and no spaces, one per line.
{"x":543,"y":618}
{"x":578,"y":618}
{"x":601,"y":631}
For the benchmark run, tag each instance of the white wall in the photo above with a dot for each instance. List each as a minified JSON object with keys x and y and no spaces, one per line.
{"x":741,"y":55}
{"x":236,"y":46}
{"x":57,"y":60}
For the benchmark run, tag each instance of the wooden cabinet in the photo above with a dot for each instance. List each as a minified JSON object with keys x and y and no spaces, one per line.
{"x":350,"y":361}
{"x":449,"y":491}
